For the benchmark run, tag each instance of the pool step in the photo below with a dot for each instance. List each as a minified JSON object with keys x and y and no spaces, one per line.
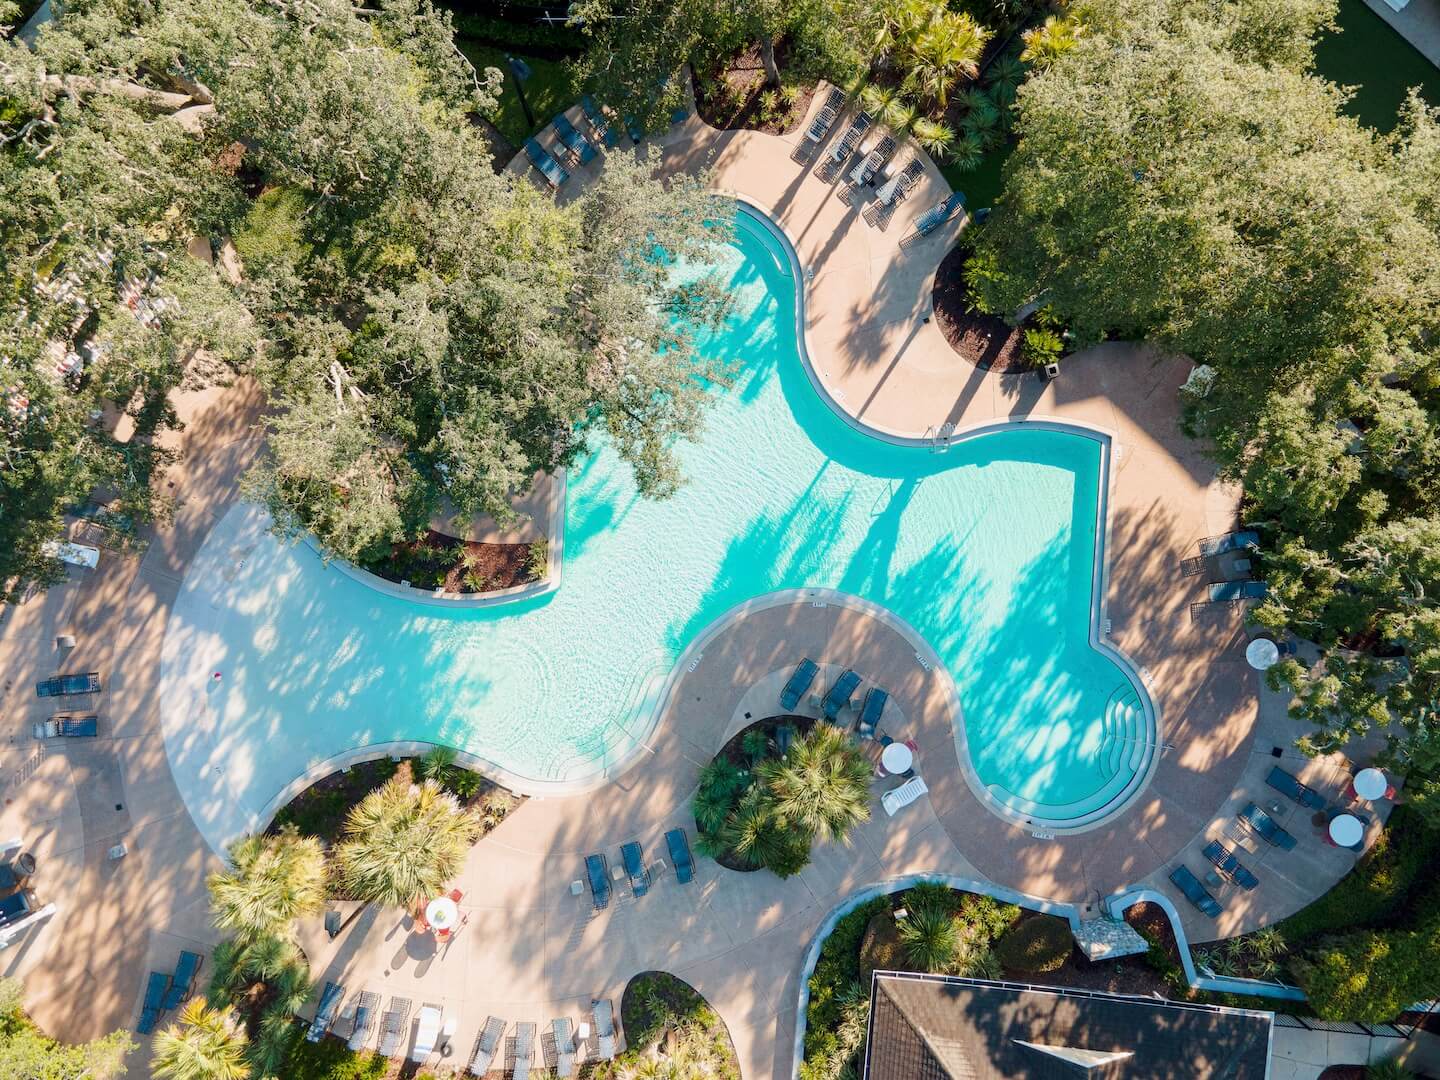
{"x":1122,"y":728}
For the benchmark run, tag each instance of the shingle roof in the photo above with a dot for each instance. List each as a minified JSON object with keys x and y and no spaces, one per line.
{"x":926,"y":1027}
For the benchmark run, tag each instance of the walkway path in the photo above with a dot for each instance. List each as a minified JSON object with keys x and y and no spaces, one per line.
{"x":531,"y":950}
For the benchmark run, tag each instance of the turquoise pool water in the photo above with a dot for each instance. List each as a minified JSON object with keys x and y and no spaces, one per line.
{"x":986,"y":550}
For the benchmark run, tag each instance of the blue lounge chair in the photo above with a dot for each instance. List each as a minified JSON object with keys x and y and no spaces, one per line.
{"x":549,"y":168}
{"x":1189,"y":884}
{"x":573,"y":140}
{"x":154,"y":1003}
{"x":69,"y":685}
{"x":784,"y":736}
{"x":598,"y":870}
{"x":633,"y":856}
{"x":79,"y":727}
{"x":799,"y":682}
{"x":937,"y":215}
{"x":1226,"y":862}
{"x":599,"y":122}
{"x":839,"y":695}
{"x":1224,"y":591}
{"x":679,"y":847}
{"x":875,"y":700}
{"x":1288,"y":785}
{"x":183,"y":980}
{"x":1234,"y":541}
{"x":325,"y":1011}
{"x":1263,"y":825}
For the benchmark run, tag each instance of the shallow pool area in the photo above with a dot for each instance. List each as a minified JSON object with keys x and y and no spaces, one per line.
{"x":989,"y":551}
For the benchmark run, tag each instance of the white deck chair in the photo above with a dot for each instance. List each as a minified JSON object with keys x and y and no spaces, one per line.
{"x":898,"y":798}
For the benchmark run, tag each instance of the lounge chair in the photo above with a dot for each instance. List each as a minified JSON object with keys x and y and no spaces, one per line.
{"x":1197,"y":894}
{"x":633,"y":856}
{"x":598,"y":870}
{"x":839,"y":696}
{"x":562,"y":1031}
{"x":69,"y":685}
{"x":325,"y":1011}
{"x":828,"y":113}
{"x":1230,"y":591}
{"x":896,"y":799}
{"x":933,"y":218}
{"x":893,"y":192}
{"x":864,"y":172}
{"x":1233,"y":541}
{"x":602,"y":1016}
{"x":154,"y":1004}
{"x":486,"y":1046}
{"x":1263,"y":825}
{"x":365,"y":1010}
{"x":599,"y":122}
{"x":392,"y":1026}
{"x":798,"y":683}
{"x":875,"y":700}
{"x":79,"y":726}
{"x":1226,"y":862}
{"x":679,"y":847}
{"x":542,"y":159}
{"x":1288,"y":785}
{"x":572,"y":139}
{"x":183,"y":980}
{"x":784,"y":736}
{"x":524,"y":1050}
{"x":836,"y":157}
{"x":427,"y":1030}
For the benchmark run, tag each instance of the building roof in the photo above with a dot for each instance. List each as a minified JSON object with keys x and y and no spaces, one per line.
{"x":931,"y":1027}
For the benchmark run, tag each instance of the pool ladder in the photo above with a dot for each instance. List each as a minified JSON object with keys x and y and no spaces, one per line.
{"x":939,"y":437}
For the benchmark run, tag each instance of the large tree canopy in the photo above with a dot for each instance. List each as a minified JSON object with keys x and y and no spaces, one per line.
{"x":430,"y":334}
{"x":1181,"y":176}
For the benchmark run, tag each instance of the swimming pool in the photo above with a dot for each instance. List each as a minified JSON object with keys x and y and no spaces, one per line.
{"x":989,"y":551}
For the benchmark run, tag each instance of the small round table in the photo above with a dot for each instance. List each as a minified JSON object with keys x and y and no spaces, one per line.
{"x":443,"y":914}
{"x":896,"y":758}
{"x":1370,"y":784}
{"x":1346,"y":830}
{"x":1262,"y":653}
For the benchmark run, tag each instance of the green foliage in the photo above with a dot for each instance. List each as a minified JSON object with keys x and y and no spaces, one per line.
{"x":437,"y":762}
{"x":881,"y":948}
{"x":834,"y":987}
{"x":272,"y":881}
{"x":1038,"y":944}
{"x":329,"y":1059}
{"x":822,"y":784}
{"x":1041,"y":346}
{"x":1371,"y":976}
{"x":272,"y":232}
{"x":537,"y":559}
{"x":670,"y":1034}
{"x":203,"y":1044}
{"x":404,"y":841}
{"x":929,"y":936}
{"x":1388,"y":1070}
{"x":931,"y":45}
{"x":27,"y":1052}
{"x":755,"y":744}
{"x":518,"y":36}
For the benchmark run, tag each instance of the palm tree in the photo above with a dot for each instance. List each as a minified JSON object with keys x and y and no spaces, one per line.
{"x":901,"y":117}
{"x":205,"y":1044}
{"x":935,"y":139}
{"x":436,"y":762}
{"x":967,"y":151}
{"x":928,"y":935}
{"x":272,"y":881}
{"x":877,"y":100}
{"x":1052,"y":39}
{"x":822,"y":785}
{"x":944,"y":51}
{"x":404,"y":841}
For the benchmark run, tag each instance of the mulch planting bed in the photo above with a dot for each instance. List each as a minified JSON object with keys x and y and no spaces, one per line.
{"x":1127,"y":975}
{"x":459,"y":566}
{"x":984,"y":340}
{"x":733,"y":98}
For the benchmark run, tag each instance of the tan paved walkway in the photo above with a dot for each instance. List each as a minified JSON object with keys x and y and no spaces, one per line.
{"x":530,"y":949}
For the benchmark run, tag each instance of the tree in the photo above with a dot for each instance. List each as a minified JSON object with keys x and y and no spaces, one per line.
{"x":266,"y":980}
{"x":26,"y":1052}
{"x":822,"y":785}
{"x":931,"y":45}
{"x":404,"y":841}
{"x":272,"y":881}
{"x":205,"y":1044}
{"x":1052,"y":39}
{"x":929,"y":937}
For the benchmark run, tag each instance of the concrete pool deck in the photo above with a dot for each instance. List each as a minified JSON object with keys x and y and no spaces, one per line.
{"x":531,"y":950}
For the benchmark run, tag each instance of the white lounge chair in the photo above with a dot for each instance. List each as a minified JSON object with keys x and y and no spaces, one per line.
{"x":485,"y":1048}
{"x":603,"y":1013}
{"x":427,"y":1029}
{"x":898,"y":798}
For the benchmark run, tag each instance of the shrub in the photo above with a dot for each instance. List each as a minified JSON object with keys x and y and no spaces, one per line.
{"x":1373,"y":975}
{"x":272,"y":231}
{"x":537,"y":560}
{"x":833,"y":984}
{"x":929,"y":937}
{"x":1038,"y":944}
{"x":881,"y":949}
{"x":1041,"y":346}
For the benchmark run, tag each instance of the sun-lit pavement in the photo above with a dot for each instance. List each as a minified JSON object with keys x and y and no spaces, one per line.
{"x":531,"y":950}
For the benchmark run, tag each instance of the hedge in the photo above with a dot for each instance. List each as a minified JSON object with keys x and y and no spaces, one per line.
{"x":1041,"y":943}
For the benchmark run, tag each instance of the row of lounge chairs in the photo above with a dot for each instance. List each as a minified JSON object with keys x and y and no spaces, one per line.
{"x":836,"y":699}
{"x":632,"y":857}
{"x":575,"y":147}
{"x":72,"y":685}
{"x":557,"y":1046}
{"x":63,"y":726}
{"x":1252,"y":821}
{"x":165,"y":991}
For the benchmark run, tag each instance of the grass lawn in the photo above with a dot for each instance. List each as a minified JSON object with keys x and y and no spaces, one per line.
{"x":1366,"y":53}
{"x":981,"y":184}
{"x":548,"y":89}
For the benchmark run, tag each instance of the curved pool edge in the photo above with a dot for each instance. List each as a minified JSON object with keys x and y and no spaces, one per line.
{"x":1100,"y":577}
